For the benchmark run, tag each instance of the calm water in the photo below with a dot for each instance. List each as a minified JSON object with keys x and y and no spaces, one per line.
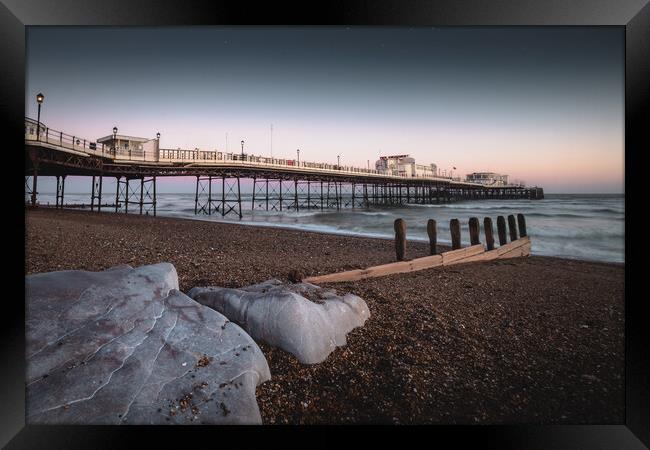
{"x":588,"y":227}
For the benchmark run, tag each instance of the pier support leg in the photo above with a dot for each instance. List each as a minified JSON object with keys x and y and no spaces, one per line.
{"x":230,"y":196}
{"x":34,"y":184}
{"x":308,"y":195}
{"x":254,"y":187}
{"x":141,"y":194}
{"x":196,"y":196}
{"x":99,"y":195}
{"x":117,"y":193}
{"x":60,"y":190}
{"x":338,"y":198}
{"x":93,"y":193}
{"x":126,"y":195}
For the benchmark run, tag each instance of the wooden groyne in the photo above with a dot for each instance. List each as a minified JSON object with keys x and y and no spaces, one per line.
{"x":518,"y":246}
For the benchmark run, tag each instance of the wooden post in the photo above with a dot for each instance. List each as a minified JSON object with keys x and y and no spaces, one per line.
{"x":489,"y":236}
{"x":433,"y":236}
{"x":454,"y":227}
{"x":521,"y":220}
{"x":512,"y":226}
{"x":400,"y":238}
{"x":501,"y":230}
{"x":474,"y":230}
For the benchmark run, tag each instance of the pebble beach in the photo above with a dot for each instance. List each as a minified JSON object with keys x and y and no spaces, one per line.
{"x":526,"y":340}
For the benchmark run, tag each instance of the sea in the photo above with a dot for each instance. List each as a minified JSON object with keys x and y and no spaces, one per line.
{"x":577,"y":226}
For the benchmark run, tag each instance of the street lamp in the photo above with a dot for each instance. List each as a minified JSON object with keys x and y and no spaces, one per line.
{"x":158,"y":136}
{"x":298,"y":151}
{"x":242,"y":149}
{"x":114,"y":141}
{"x":39,"y":99}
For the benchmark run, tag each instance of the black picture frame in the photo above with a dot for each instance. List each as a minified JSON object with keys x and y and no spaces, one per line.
{"x":633,"y":15}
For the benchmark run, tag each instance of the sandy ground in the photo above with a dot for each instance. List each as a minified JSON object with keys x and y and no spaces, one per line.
{"x":530,"y":340}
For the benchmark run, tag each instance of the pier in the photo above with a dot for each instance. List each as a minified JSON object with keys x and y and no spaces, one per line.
{"x":278,"y":183}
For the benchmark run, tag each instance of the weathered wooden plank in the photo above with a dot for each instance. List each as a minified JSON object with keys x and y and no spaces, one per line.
{"x":452,"y":256}
{"x":512,"y":245}
{"x":378,"y":271}
{"x":489,"y":233}
{"x":474,"y":231}
{"x":400,"y":239}
{"x":521,"y":221}
{"x":501,"y":230}
{"x":512,"y":226}
{"x":521,"y":247}
{"x":485,"y":256}
{"x":522,"y":250}
{"x":454,"y":227}
{"x":433,"y":236}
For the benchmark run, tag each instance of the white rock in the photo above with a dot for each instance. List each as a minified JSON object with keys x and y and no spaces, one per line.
{"x":125,"y":346}
{"x":280,"y":315}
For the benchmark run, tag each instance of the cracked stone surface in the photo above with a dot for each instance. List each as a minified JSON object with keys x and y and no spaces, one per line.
{"x":124,"y":346}
{"x":303,"y":319}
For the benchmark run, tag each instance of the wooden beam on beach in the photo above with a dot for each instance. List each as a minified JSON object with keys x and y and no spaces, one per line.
{"x":521,"y":221}
{"x":489,"y":233}
{"x":501,"y":230}
{"x":474,"y":230}
{"x":426,"y":262}
{"x":521,"y":247}
{"x":433,"y":236}
{"x":512,"y":226}
{"x":400,"y":238}
{"x":453,"y":257}
{"x":475,"y":253}
{"x":454,"y":227}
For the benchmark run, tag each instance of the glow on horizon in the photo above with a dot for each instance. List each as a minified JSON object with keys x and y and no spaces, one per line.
{"x":565,"y":137}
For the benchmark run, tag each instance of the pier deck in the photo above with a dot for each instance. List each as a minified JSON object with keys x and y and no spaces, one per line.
{"x":277,"y":183}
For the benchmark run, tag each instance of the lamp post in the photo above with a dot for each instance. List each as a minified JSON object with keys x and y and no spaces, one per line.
{"x":242,"y":149}
{"x":298,"y":151}
{"x":114,"y":141}
{"x":39,"y":99}
{"x":157,"y":151}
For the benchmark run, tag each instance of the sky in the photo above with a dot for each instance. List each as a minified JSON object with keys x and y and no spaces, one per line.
{"x":542,"y":104}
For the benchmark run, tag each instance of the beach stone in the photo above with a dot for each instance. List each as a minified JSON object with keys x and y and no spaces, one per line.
{"x":302,"y":318}
{"x":124,"y":346}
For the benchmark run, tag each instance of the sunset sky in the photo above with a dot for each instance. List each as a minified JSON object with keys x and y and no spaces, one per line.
{"x":544,"y":105}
